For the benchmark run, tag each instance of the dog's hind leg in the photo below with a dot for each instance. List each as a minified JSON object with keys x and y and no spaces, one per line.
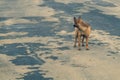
{"x":83,"y":37}
{"x":87,"y":43}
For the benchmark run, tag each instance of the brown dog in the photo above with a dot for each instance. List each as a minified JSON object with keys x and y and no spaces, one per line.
{"x":82,"y":30}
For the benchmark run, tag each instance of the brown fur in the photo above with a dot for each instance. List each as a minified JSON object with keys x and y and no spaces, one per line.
{"x":84,"y":24}
{"x":82,"y":30}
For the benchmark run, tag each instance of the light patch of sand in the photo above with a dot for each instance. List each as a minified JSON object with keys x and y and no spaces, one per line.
{"x":62,"y":72}
{"x":7,"y":69}
{"x":81,"y":10}
{"x":13,"y":21}
{"x":110,"y":10}
{"x":81,"y":65}
{"x":20,"y":40}
{"x":115,"y":10}
{"x":98,"y":69}
{"x":13,"y":34}
{"x":67,"y":17}
{"x":51,"y":19}
{"x":112,"y":41}
{"x":64,"y":33}
{"x":85,"y":9}
{"x":43,"y":40}
{"x":28,"y":8}
{"x":39,"y":11}
{"x":71,"y":1}
{"x":21,"y":69}
{"x":115,"y":2}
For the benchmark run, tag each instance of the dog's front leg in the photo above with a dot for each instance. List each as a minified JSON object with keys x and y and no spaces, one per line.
{"x":79,"y":41}
{"x":76,"y":36}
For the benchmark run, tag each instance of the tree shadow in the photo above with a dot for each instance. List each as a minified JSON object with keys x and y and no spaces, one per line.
{"x":27,"y":60}
{"x":34,"y":75}
{"x":13,"y":49}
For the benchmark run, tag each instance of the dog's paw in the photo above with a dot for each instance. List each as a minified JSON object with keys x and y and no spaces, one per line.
{"x":87,"y":49}
{"x":74,"y":46}
{"x":79,"y":49}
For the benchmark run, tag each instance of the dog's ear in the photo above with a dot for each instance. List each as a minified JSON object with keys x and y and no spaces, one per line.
{"x":79,"y":19}
{"x":75,"y":20}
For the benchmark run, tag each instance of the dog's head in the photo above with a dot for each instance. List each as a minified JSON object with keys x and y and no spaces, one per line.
{"x":77,"y":21}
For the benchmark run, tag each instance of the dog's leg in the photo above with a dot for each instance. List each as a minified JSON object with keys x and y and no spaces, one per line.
{"x":87,"y":43}
{"x":76,"y":36}
{"x":83,"y":40}
{"x":79,"y":40}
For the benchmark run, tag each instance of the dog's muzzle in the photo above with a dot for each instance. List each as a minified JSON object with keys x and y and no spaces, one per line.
{"x":74,"y":25}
